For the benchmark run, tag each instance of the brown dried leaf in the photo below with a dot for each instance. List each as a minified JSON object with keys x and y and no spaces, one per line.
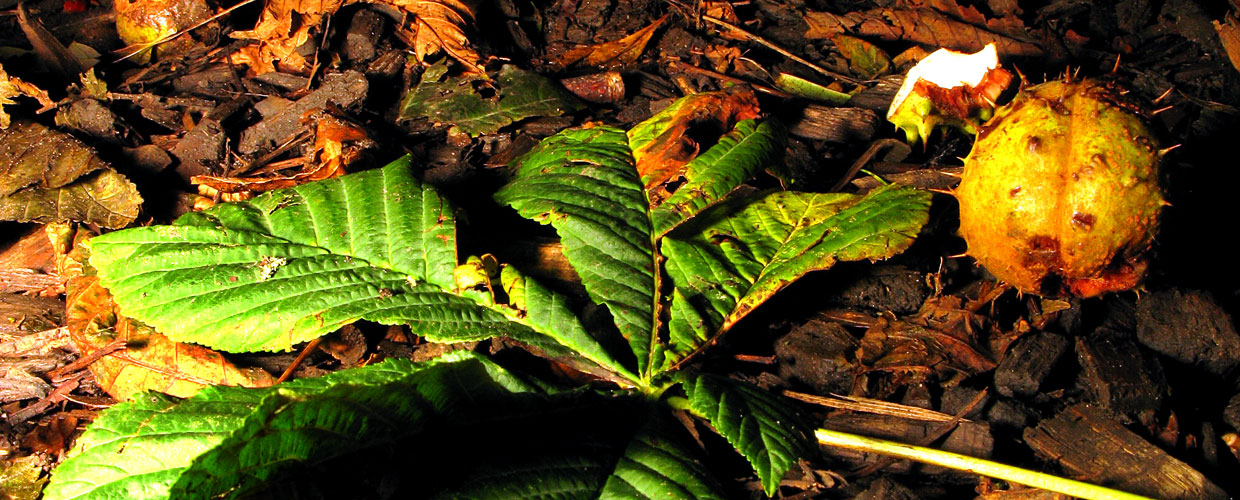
{"x":923,"y":26}
{"x":1229,"y":35}
{"x":149,"y":361}
{"x":11,"y":87}
{"x":285,"y":25}
{"x":51,"y":436}
{"x":615,"y":54}
{"x":30,"y":251}
{"x":277,"y":37}
{"x":439,"y":25}
{"x":939,"y":338}
{"x":329,"y":158}
{"x":663,"y":159}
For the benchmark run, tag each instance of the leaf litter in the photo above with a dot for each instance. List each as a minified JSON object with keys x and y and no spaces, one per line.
{"x":924,"y":359}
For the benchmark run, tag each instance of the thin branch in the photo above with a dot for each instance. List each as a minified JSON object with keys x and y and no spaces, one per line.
{"x":771,"y":45}
{"x":970,"y":464}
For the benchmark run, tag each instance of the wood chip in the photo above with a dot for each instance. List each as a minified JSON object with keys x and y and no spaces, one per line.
{"x":1090,"y":442}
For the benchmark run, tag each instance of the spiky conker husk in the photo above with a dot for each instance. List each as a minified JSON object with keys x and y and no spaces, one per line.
{"x":1060,"y":193}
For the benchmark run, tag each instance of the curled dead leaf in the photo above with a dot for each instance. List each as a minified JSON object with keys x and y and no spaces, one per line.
{"x":11,"y":87}
{"x":285,"y":25}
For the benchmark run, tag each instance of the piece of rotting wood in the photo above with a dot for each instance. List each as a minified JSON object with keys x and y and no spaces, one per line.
{"x":968,"y":438}
{"x":837,"y":125}
{"x":1118,"y":375}
{"x":1028,"y":363}
{"x":1090,"y":442}
{"x":343,"y":89}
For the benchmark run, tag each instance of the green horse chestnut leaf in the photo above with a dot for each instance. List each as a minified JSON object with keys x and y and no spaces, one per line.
{"x":1060,"y":193}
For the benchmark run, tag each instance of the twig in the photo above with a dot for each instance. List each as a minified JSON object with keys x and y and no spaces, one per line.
{"x":288,"y":372}
{"x":683,"y":66}
{"x":970,"y":464}
{"x":861,"y":162}
{"x":867,"y":405}
{"x":771,"y":45}
{"x":935,"y":435}
{"x":57,"y":395}
{"x":63,"y":373}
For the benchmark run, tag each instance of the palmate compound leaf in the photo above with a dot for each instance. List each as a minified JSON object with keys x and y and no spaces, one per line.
{"x":293,"y":264}
{"x":736,"y":255}
{"x":584,"y":183}
{"x":760,"y":425}
{"x":419,"y":428}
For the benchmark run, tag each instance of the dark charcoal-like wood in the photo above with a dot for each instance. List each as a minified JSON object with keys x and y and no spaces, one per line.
{"x":836,"y":124}
{"x":1189,"y":327}
{"x":968,"y":438}
{"x":1118,"y":375}
{"x":819,"y":354}
{"x":1089,"y":441}
{"x":343,"y":89}
{"x":878,"y":288}
{"x":1009,"y":414}
{"x":886,"y":489}
{"x":1231,"y":414}
{"x":958,"y":398}
{"x":201,"y":151}
{"x":363,"y":35}
{"x":1026,"y":364}
{"x":878,"y":98}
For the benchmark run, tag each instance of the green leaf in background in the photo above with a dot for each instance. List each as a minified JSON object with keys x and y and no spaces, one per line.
{"x":737,"y":157}
{"x":293,"y":264}
{"x":736,"y":255}
{"x":138,"y":449}
{"x":34,"y":155}
{"x":580,"y":448}
{"x":760,"y":425}
{"x":49,"y":176}
{"x":415,"y":430}
{"x":796,"y":85}
{"x":864,"y":58}
{"x":583,"y":182}
{"x":104,"y":197}
{"x":455,"y":101}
